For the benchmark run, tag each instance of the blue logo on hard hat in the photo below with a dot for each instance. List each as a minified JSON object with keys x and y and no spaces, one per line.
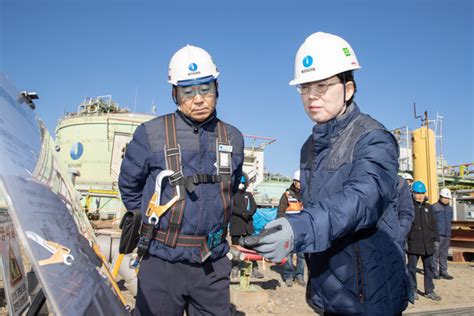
{"x":77,"y":150}
{"x":307,"y":61}
{"x":193,"y":67}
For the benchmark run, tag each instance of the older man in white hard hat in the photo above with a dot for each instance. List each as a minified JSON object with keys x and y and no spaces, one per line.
{"x":349,"y":164}
{"x":193,"y":161}
{"x":443,"y":213}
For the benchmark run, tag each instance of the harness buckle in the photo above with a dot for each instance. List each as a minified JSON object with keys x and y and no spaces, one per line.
{"x":176,"y":177}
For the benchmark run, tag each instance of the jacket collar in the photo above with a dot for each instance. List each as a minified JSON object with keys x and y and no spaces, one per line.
{"x":322,"y":133}
{"x":209,"y":122}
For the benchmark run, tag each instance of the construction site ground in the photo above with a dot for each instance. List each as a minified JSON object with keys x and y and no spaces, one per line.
{"x":273,"y":297}
{"x":457,"y":294}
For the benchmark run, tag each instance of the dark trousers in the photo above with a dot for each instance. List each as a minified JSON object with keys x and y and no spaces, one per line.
{"x":170,"y":288}
{"x":428,"y":271}
{"x":441,"y":255}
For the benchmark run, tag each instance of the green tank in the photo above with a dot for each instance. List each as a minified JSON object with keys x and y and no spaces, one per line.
{"x":90,"y":143}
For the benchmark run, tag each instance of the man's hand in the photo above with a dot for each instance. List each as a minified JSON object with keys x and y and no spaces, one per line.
{"x":245,"y":216}
{"x":278,"y":244}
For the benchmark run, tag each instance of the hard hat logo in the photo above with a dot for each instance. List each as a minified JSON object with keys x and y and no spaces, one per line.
{"x":307,"y":61}
{"x":346,"y":51}
{"x":193,"y":67}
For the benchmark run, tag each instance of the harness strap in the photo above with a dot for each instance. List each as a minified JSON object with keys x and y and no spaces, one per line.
{"x":173,"y":162}
{"x":224,"y":168}
{"x":195,"y":179}
{"x":187,"y":241}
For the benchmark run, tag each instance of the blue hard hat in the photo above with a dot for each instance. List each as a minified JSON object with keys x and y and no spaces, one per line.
{"x":418,"y":187}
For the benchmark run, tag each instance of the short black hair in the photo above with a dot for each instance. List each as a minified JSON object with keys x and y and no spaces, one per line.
{"x":346,"y":77}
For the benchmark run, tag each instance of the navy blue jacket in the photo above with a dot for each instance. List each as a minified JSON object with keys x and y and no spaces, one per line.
{"x":405,"y":206}
{"x":444,"y":215}
{"x":203,"y":213}
{"x":349,"y":225}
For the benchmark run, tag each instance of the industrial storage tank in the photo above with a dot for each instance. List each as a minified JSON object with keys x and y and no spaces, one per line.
{"x":424,"y":160}
{"x":90,"y":143}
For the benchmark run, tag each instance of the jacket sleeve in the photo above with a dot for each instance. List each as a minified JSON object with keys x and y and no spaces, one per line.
{"x":406,"y":210}
{"x":253,"y":204}
{"x":237,"y":208}
{"x":369,"y":187}
{"x":134,"y":170}
{"x":434,"y":223}
{"x":282,"y":206}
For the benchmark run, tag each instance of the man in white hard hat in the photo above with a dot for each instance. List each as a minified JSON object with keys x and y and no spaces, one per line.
{"x":409,"y":178}
{"x":349,"y":226}
{"x":443,"y":213}
{"x":290,"y":203}
{"x":182,"y":170}
{"x":405,"y":207}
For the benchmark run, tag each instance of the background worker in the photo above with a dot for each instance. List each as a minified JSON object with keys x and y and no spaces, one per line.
{"x":421,"y":240}
{"x":241,"y":221}
{"x":443,"y":213}
{"x":349,"y":227}
{"x":405,"y":206}
{"x":409,"y":179}
{"x":185,"y":265}
{"x":290,"y":203}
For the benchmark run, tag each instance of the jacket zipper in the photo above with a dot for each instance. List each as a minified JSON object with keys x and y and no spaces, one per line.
{"x":359,"y":274}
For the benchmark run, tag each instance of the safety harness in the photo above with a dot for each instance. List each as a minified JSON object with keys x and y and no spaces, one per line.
{"x":171,"y":237}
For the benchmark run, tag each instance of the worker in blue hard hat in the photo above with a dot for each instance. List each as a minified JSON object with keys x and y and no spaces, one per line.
{"x":421,"y":241}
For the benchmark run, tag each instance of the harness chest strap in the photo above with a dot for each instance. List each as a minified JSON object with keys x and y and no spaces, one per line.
{"x":173,"y":162}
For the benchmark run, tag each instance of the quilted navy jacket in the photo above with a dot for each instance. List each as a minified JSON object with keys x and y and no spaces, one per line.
{"x":203,"y":213}
{"x":349,"y":225}
{"x":444,"y":215}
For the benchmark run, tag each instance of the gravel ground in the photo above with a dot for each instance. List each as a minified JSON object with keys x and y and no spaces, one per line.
{"x":285,"y":300}
{"x":290,"y":301}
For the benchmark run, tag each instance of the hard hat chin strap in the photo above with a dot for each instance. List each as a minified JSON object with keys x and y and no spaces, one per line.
{"x":173,"y":95}
{"x":344,"y":84}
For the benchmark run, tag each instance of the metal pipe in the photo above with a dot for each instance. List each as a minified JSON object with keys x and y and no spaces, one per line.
{"x":466,"y":198}
{"x":464,"y":191}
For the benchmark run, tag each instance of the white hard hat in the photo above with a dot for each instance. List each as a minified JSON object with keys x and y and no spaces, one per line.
{"x":407,"y":176}
{"x":446,"y":193}
{"x":191,"y":65}
{"x":296,"y":175}
{"x":323,"y":55}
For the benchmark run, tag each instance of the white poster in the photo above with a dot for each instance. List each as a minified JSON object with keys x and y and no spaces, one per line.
{"x":11,"y":265}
